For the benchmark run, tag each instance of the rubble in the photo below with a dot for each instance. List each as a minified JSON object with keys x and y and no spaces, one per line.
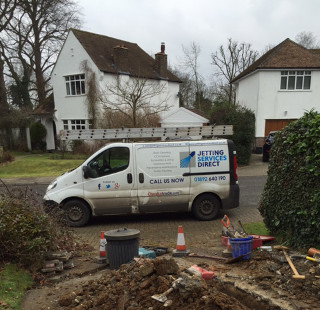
{"x":57,"y":262}
{"x":264,"y":282}
{"x":133,"y":285}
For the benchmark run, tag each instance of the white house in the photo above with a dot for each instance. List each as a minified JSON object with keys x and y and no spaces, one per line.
{"x":184,"y":117}
{"x":105,"y":58}
{"x":280,"y":86}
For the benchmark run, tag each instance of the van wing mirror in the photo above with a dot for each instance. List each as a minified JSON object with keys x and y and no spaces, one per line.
{"x":86,"y":172}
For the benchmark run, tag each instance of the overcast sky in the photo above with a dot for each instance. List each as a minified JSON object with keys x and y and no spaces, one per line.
{"x":209,"y":23}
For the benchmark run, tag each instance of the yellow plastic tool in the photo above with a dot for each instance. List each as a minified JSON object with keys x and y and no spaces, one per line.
{"x":313,"y":259}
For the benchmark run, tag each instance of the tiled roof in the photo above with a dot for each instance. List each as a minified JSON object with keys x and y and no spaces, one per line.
{"x":100,"y":49}
{"x":199,"y":112}
{"x":47,"y":107}
{"x":286,"y":55}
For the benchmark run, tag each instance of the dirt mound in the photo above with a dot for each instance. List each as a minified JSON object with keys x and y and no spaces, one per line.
{"x":132,"y":287}
{"x":264,"y":282}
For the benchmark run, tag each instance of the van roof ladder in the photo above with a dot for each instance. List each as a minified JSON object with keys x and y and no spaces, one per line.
{"x":155,"y":132}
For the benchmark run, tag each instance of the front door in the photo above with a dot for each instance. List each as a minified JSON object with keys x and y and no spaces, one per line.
{"x":110,"y":181}
{"x":161,"y":184}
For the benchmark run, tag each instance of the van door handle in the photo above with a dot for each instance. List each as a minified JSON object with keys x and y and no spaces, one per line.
{"x":129,"y":178}
{"x":141,"y":178}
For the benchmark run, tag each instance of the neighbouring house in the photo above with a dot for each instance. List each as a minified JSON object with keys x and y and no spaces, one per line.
{"x":280,"y":86}
{"x":184,"y":117}
{"x":87,"y":58}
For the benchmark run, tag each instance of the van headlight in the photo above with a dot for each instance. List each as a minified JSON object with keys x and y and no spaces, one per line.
{"x":52,"y":185}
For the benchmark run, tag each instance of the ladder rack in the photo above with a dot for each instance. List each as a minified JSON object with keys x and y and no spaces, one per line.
{"x":156,"y":132}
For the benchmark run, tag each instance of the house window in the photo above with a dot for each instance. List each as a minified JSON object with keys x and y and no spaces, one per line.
{"x":295,"y":80}
{"x":75,"y":84}
{"x":77,"y":124}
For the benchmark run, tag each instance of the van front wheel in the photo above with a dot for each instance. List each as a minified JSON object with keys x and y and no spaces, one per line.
{"x":206,"y":207}
{"x":76,"y":213}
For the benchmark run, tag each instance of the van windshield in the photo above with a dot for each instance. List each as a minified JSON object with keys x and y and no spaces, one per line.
{"x":110,"y":161}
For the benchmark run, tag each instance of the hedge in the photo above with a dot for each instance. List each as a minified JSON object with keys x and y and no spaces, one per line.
{"x":243,"y":121}
{"x":290,"y":203}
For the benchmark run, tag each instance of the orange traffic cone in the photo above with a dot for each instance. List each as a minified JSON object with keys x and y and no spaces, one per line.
{"x":102,"y":259}
{"x":103,"y":242}
{"x":181,"y":249}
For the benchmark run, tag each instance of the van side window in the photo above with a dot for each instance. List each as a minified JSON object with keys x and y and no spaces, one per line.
{"x":110,"y":161}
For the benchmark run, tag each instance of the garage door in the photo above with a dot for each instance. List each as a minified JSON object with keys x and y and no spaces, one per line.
{"x":276,"y":124}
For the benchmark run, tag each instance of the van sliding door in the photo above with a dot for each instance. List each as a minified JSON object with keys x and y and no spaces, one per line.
{"x":162,"y":186}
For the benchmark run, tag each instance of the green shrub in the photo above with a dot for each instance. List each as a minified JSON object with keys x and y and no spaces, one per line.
{"x":6,"y":157}
{"x":38,"y":133}
{"x":27,"y":232}
{"x":243,"y":121}
{"x":290,"y":203}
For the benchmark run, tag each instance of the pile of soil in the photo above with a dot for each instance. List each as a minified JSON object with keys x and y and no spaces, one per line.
{"x":132,"y":287}
{"x":263,"y":282}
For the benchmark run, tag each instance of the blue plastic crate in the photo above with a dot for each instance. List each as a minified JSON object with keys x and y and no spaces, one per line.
{"x":241,"y":246}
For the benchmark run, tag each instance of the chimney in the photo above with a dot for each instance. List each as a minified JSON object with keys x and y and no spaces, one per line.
{"x":120,"y":58}
{"x":161,"y":62}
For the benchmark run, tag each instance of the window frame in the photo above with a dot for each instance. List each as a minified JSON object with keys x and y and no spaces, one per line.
{"x":295,"y":80}
{"x":75,"y":84}
{"x":76,"y":124}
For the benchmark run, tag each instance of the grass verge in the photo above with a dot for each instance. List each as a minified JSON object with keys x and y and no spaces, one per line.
{"x":256,"y":228}
{"x":38,"y":165}
{"x":13,"y":284}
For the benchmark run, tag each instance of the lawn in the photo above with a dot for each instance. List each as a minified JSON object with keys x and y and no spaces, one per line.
{"x":13,"y":284}
{"x":38,"y":165}
{"x":257,"y":228}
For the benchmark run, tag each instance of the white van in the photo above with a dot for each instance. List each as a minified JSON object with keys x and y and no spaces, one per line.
{"x":125,"y":178}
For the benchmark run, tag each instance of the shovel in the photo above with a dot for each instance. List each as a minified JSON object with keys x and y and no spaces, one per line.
{"x":163,"y":297}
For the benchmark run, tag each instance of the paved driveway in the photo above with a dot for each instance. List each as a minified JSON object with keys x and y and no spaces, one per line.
{"x":203,"y":236}
{"x":161,"y":229}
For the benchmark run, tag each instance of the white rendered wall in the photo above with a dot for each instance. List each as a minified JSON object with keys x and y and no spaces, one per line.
{"x":169,"y":95}
{"x":183,"y":118}
{"x":69,"y":63}
{"x":75,"y":107}
{"x":261,"y":93}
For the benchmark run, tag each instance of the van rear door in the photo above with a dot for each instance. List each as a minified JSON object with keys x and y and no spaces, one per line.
{"x":160,"y":169}
{"x":211,"y":169}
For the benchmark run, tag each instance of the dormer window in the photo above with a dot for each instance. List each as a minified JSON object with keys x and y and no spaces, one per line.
{"x":75,"y":84}
{"x":295,"y":80}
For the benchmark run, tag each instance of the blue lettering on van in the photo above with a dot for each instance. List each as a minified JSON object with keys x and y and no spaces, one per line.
{"x":99,"y":186}
{"x":210,"y":158}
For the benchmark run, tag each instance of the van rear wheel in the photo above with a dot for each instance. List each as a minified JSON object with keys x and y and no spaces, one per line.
{"x":76,"y":213}
{"x":206,"y":207}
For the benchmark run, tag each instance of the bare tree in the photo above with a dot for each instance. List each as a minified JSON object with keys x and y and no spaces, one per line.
{"x":307,"y":39}
{"x":116,"y":119}
{"x":134,"y":97}
{"x":190,"y":63}
{"x":7,"y":8}
{"x":33,"y":38}
{"x":231,"y":60}
{"x":186,"y":90}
